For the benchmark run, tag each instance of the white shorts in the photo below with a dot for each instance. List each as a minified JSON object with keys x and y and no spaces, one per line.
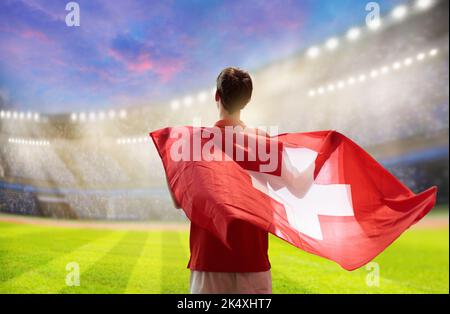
{"x":230,"y":283}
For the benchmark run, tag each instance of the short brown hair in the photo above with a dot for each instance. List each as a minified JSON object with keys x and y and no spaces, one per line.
{"x":235,"y":88}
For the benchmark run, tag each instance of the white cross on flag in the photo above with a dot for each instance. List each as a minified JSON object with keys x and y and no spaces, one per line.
{"x":303,"y":211}
{"x":327,"y":195}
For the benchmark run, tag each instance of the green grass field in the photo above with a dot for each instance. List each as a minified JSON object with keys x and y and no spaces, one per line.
{"x":33,"y":259}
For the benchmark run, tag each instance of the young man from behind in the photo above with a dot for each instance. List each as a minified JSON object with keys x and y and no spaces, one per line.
{"x":244,"y":267}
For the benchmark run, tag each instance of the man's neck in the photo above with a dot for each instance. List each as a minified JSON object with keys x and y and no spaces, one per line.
{"x":236,"y":116}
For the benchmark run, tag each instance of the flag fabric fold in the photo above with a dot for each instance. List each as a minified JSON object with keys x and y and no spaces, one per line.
{"x":326,"y":196}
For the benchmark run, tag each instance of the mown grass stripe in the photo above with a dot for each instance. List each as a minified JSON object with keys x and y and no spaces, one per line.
{"x":146,"y":276}
{"x":111,"y":273}
{"x":51,"y":277}
{"x":174,"y":258}
{"x":399,"y":269}
{"x":31,"y":250}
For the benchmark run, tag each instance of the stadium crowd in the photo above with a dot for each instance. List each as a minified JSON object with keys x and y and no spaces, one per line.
{"x":394,"y":88}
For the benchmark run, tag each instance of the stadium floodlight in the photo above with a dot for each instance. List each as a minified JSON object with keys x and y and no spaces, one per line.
{"x":82,"y":116}
{"x":332,"y":43}
{"x":2,"y":114}
{"x":320,"y":90}
{"x":340,"y":84}
{"x":351,"y":80}
{"x":353,"y":33}
{"x":111,"y":114}
{"x":362,"y":78}
{"x":15,"y":115}
{"x":123,"y":114}
{"x":175,"y":104}
{"x":384,"y":69}
{"x":29,"y":115}
{"x":399,"y":12}
{"x":407,"y":61}
{"x":21,"y":115}
{"x":420,"y":56}
{"x":331,"y":87}
{"x":202,"y":96}
{"x":187,"y":101}
{"x":101,"y":115}
{"x":92,"y":116}
{"x":374,"y":73}
{"x":313,"y":52}
{"x":433,"y":52}
{"x":36,"y":117}
{"x":424,"y":4}
{"x":8,"y":114}
{"x":396,"y":65}
{"x":312,"y":93}
{"x":73,"y":117}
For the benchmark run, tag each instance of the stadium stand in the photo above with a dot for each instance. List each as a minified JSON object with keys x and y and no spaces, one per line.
{"x":393,"y":101}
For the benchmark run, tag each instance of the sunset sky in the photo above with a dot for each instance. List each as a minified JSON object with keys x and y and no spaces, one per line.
{"x":140,"y":51}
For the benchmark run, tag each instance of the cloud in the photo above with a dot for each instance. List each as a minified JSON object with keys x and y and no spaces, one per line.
{"x":139,"y":57}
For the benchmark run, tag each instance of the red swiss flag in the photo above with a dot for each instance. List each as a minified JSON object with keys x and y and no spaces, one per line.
{"x":325,"y":195}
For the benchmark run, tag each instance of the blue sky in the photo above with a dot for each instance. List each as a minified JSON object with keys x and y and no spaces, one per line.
{"x":141,"y":52}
